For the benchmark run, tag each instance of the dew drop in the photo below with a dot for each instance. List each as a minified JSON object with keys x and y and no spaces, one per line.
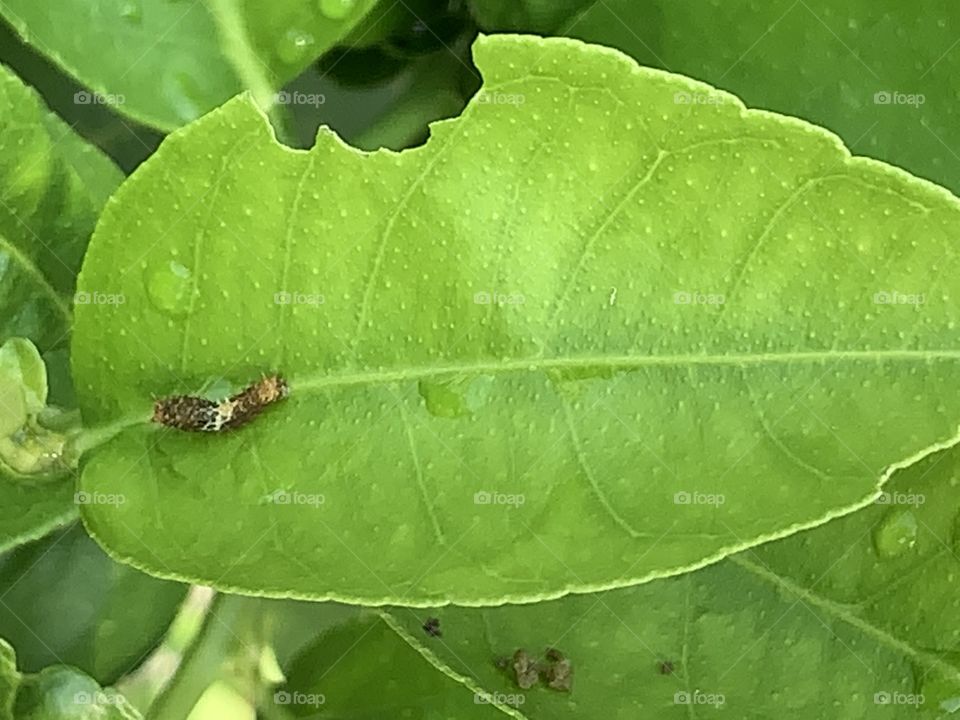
{"x":294,"y":46}
{"x":896,"y":534}
{"x":170,"y":288}
{"x":132,"y":12}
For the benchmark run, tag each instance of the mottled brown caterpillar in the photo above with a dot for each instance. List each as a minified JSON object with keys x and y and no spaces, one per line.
{"x":197,"y":414}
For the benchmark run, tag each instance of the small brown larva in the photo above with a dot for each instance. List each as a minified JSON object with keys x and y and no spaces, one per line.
{"x":197,"y":414}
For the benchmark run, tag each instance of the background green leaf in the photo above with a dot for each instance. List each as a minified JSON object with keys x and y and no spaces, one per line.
{"x":28,"y":512}
{"x":528,"y":16}
{"x":620,"y":398}
{"x":161,"y":62}
{"x":9,"y":680}
{"x":64,"y":693}
{"x":64,"y":601}
{"x":814,"y":59}
{"x":891,"y":570}
{"x":363,"y":670}
{"x":832,"y":620}
{"x":52,"y":186}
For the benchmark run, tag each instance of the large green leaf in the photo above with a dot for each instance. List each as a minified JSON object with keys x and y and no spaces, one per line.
{"x":876,"y":72}
{"x":52,"y":186}
{"x":117,"y":614}
{"x":825,"y":623}
{"x":161,"y":62}
{"x":620,"y":405}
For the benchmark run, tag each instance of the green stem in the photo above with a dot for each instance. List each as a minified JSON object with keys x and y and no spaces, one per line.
{"x":253,"y":72}
{"x":203,"y":662}
{"x":88,"y":438}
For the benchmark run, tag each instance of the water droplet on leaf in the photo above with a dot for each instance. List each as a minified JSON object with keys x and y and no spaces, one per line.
{"x":132,"y":12}
{"x":294,"y":46}
{"x":170,"y":288}
{"x":896,"y":534}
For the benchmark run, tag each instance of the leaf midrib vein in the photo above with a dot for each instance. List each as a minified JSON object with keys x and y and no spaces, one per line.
{"x":382,"y":376}
{"x":377,"y":376}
